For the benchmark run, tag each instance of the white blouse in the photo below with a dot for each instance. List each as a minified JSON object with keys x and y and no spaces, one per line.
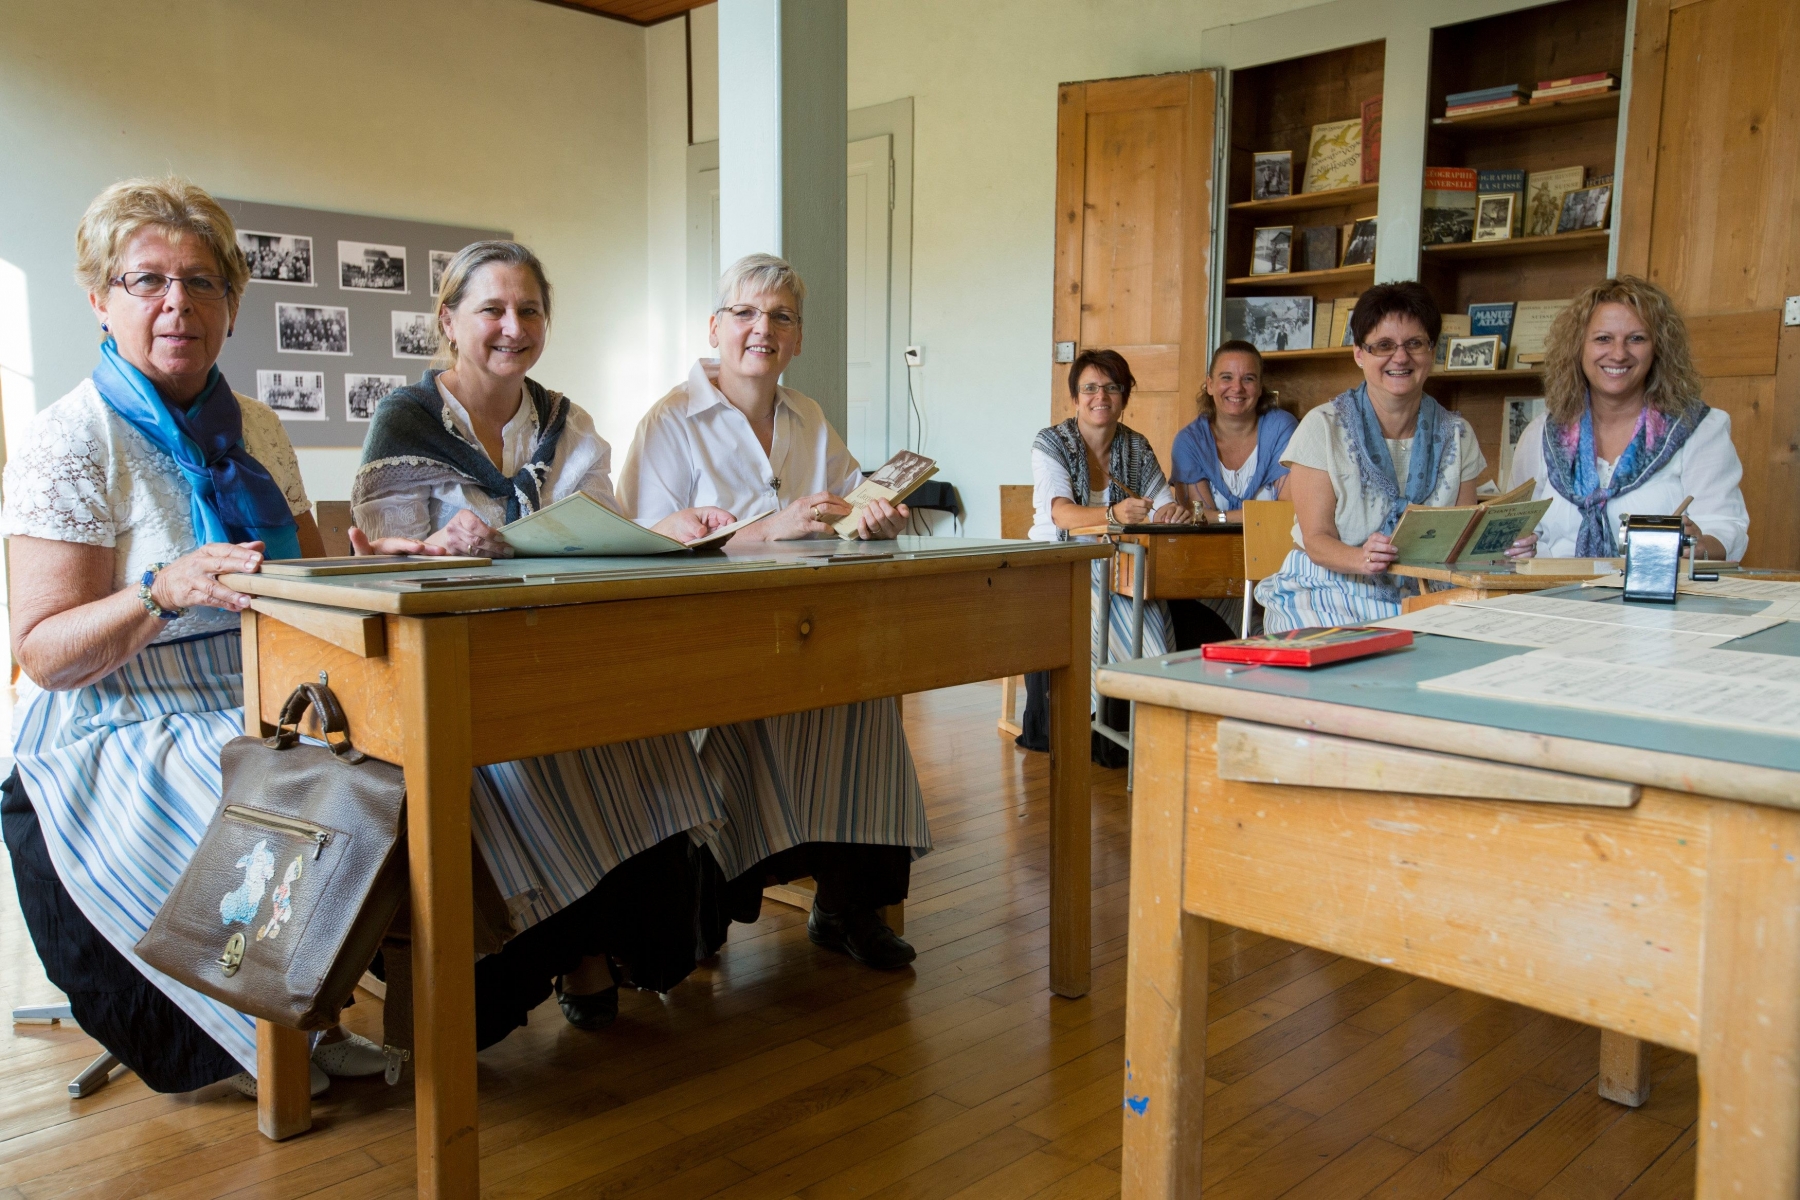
{"x":1050,"y":479}
{"x":85,"y":475}
{"x":1706,"y":468}
{"x":582,"y":463}
{"x":694,"y":448}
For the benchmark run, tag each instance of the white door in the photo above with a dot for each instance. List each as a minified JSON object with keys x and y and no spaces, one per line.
{"x":869,"y":205}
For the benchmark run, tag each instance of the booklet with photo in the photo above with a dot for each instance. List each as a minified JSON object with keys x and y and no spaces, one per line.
{"x":893,"y":481}
{"x":1467,"y":534}
{"x":579,"y":526}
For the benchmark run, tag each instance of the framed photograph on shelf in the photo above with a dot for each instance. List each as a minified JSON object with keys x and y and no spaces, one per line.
{"x":1272,"y":177}
{"x":1494,"y":217}
{"x":1360,"y":250}
{"x":1270,"y":323}
{"x":1271,"y":252}
{"x":1584,"y":208}
{"x":1474,"y":354}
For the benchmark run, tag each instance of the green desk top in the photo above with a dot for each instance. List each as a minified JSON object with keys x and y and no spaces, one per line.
{"x":1389,"y":683}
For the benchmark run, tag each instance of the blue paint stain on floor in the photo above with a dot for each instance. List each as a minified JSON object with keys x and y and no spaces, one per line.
{"x":1137,"y":1104}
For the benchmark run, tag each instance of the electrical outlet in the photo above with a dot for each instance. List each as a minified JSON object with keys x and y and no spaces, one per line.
{"x":1065,"y":352}
{"x":915,"y":356}
{"x":1793,"y":310}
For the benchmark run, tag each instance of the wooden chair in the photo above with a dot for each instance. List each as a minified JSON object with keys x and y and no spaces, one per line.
{"x":1268,"y":536}
{"x":333,"y":517}
{"x":1015,"y":523}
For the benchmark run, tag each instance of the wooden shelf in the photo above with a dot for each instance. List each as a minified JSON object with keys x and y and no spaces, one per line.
{"x":1290,"y":355}
{"x":1468,"y":376}
{"x":1531,"y":116}
{"x":1294,"y":278}
{"x":1305,"y":201}
{"x":1555,"y":243}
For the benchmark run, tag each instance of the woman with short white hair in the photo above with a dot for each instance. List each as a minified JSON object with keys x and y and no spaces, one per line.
{"x":830,"y":793}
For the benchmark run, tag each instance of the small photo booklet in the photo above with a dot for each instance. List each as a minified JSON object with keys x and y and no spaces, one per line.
{"x":579,"y":526}
{"x":1312,"y":646}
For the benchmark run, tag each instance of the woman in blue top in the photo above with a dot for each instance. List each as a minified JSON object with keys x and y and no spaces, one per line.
{"x":1231,"y":452}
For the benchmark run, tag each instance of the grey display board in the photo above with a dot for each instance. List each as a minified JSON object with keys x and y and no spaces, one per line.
{"x":332,"y":313}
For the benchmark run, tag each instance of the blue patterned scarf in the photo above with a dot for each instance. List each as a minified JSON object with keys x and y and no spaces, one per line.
{"x":1131,"y":463}
{"x":1569,"y":460}
{"x":1434,"y":439}
{"x":231,"y":496}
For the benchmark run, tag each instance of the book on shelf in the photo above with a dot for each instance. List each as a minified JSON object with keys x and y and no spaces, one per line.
{"x":1455,"y":325}
{"x":1544,"y":192}
{"x":1319,"y":247}
{"x":1449,"y":211}
{"x":1516,"y":413}
{"x":1334,"y":156}
{"x":893,"y":481}
{"x":1371,"y":140}
{"x":1595,"y":177}
{"x":1341,"y":309}
{"x":581,"y":527}
{"x":1584,"y":85}
{"x":1485,"y":106}
{"x":1544,"y":85}
{"x":1481,"y":95}
{"x":1530,"y":328}
{"x":1360,"y":250}
{"x":1310,"y":646}
{"x":1505,"y":179}
{"x":1467,"y":534}
{"x":1322,"y":325}
{"x":1572,"y":94}
{"x":1492,"y":320}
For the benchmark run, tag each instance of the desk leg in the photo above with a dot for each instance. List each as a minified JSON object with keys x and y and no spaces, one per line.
{"x":1165,"y":988}
{"x":1624,"y":1068}
{"x":1750,"y":1006}
{"x":1071,"y":804}
{"x":433,"y":656}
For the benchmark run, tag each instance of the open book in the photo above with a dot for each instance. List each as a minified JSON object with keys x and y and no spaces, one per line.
{"x":1468,"y":534}
{"x":893,"y":481}
{"x":579,"y":526}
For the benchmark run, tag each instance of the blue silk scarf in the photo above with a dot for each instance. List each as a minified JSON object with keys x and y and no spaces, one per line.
{"x":1572,"y":471}
{"x":1434,"y":439}
{"x":231,"y":496}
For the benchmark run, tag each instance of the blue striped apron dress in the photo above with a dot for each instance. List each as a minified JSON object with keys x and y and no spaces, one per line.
{"x":1159,"y":629}
{"x":1304,"y":594}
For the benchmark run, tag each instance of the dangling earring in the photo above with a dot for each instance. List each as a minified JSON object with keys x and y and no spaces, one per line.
{"x":104,"y":328}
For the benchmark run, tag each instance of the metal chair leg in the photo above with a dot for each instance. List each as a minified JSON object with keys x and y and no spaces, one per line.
{"x":42,"y":1014}
{"x":96,"y":1074}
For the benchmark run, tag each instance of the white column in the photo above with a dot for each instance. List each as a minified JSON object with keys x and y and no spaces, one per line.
{"x":782,"y":131}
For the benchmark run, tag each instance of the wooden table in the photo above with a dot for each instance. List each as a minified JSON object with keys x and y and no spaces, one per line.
{"x":586,"y":652}
{"x":1655,"y":892}
{"x":1181,"y":562}
{"x":1477,"y":583}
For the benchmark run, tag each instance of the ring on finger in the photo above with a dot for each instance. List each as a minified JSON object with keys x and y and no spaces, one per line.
{"x":815,"y":510}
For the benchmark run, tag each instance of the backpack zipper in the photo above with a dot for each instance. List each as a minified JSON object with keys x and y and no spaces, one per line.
{"x":320,"y":838}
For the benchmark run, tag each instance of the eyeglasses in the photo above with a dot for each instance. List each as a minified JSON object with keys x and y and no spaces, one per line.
{"x":1386,"y":347}
{"x":1094,"y":389}
{"x":786,"y":320}
{"x":150,"y":285}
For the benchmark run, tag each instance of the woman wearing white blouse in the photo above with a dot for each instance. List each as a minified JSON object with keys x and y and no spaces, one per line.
{"x":830,"y":793}
{"x":1625,"y":429}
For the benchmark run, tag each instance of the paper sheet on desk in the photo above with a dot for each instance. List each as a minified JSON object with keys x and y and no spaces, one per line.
{"x":1639,"y":616}
{"x":1684,"y":654}
{"x":1478,"y":623}
{"x":1632,"y":689}
{"x":1783,"y":597}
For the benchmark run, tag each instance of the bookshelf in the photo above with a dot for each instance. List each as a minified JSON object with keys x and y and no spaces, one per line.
{"x":1274,"y":107}
{"x":1551,"y":41}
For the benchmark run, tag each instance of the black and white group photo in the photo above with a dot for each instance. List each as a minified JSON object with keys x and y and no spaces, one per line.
{"x":312,"y":329}
{"x":366,"y":266}
{"x":1474,"y":353}
{"x":438,"y":259}
{"x":294,"y":395}
{"x":278,"y":257}
{"x":1273,"y":175}
{"x":1584,"y":208}
{"x":362,"y":392}
{"x":415,"y":335}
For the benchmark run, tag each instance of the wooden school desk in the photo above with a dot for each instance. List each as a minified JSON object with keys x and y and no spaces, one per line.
{"x":591,"y":651}
{"x":1654,"y":889}
{"x":1477,"y":583}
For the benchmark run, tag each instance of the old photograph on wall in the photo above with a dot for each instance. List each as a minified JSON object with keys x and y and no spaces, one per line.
{"x":278,"y":257}
{"x":363,"y":392}
{"x":294,"y":395}
{"x":439,"y":259}
{"x":369,"y":267}
{"x":415,"y":334}
{"x":312,"y":329}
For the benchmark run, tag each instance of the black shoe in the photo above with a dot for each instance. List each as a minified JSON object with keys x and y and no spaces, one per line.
{"x":862,"y":935}
{"x":594,"y":1011}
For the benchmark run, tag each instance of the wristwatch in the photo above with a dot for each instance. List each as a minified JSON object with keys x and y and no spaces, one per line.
{"x":149,"y":601}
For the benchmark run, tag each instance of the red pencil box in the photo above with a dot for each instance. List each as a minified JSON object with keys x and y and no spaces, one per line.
{"x":1310,"y":647}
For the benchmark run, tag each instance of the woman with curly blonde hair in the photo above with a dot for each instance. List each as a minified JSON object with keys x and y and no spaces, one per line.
{"x":1625,"y":430}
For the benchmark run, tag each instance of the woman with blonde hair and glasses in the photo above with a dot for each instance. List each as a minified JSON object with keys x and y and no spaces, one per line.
{"x":1624,"y":429}
{"x":830,"y":793}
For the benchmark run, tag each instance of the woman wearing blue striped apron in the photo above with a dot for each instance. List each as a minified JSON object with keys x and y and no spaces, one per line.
{"x":1357,"y":461}
{"x":591,"y":849}
{"x":127,"y":500}
{"x":830,"y":793}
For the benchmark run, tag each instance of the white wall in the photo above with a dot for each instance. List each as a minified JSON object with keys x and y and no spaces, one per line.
{"x":501,"y":113}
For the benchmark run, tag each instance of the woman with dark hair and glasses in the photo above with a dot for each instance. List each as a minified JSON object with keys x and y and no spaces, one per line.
{"x":1357,"y":462}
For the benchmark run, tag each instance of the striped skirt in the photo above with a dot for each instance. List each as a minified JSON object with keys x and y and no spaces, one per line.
{"x":841,"y":774}
{"x":124,"y":777}
{"x":1303,"y":594}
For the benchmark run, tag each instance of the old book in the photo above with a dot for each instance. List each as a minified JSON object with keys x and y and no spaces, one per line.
{"x":1361,"y":249}
{"x":1494,"y":216}
{"x":1479,"y":95}
{"x":1469,"y":110}
{"x":893,"y":481}
{"x":1467,"y":534}
{"x":1449,"y":212}
{"x":1544,"y":191}
{"x":1340,"y":320}
{"x":1492,"y":320}
{"x":1319,"y":247}
{"x":1371,"y":140}
{"x":1311,"y":646}
{"x":1505,"y":179}
{"x":579,"y":526}
{"x":1272,"y":175}
{"x":1322,"y":325}
{"x":1531,"y":326}
{"x":1545,"y":85}
{"x":1334,"y":156}
{"x":1455,"y":325}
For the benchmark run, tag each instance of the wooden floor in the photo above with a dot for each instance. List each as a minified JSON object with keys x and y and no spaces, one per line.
{"x":782,"y":1070}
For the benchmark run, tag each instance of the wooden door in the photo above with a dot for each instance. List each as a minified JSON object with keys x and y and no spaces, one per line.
{"x":1710,"y":210}
{"x":1134,"y":173}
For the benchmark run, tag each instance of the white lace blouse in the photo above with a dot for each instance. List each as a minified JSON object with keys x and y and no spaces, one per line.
{"x":85,"y":475}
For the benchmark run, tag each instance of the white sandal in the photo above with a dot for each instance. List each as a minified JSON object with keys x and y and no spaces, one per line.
{"x":351,"y":1057}
{"x":245,"y":1082}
